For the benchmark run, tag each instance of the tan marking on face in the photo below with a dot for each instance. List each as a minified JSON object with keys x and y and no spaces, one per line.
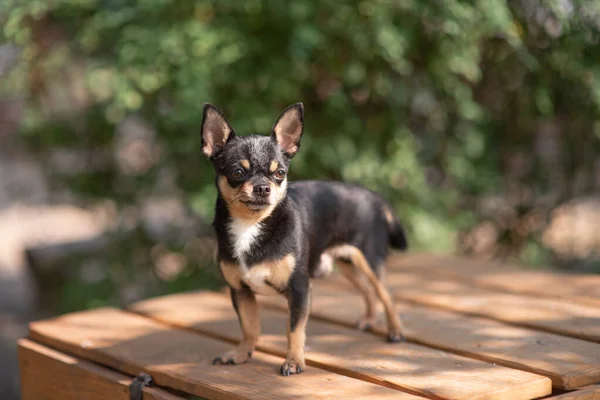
{"x":246,"y":190}
{"x":233,"y":198}
{"x":245,"y":164}
{"x":229,"y":193}
{"x":238,"y":210}
{"x":264,"y":277}
{"x":280,"y":191}
{"x":273,"y":167}
{"x":232,"y":274}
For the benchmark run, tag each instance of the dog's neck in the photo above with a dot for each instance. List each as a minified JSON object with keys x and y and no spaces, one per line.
{"x":244,"y":231}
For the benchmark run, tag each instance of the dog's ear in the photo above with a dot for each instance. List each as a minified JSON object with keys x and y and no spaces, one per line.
{"x":216,"y":131}
{"x":288,"y":129}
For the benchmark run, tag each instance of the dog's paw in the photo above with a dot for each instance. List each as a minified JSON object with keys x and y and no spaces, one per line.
{"x":366,"y":323}
{"x":233,"y":357}
{"x":290,"y":367}
{"x":395,"y":337}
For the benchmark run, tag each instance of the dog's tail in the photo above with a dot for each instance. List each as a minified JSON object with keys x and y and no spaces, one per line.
{"x":397,"y":236}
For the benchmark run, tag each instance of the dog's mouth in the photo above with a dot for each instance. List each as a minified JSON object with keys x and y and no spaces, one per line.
{"x":256,"y":205}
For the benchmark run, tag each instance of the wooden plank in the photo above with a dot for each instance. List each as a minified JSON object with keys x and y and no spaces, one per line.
{"x":552,"y":315}
{"x":422,"y":370}
{"x":570,"y":363}
{"x":47,"y":374}
{"x":588,"y":393}
{"x":182,"y":360}
{"x":581,"y":288}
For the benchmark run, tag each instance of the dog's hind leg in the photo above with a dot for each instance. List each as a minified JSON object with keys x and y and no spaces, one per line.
{"x":361,"y":284}
{"x":359,"y":261}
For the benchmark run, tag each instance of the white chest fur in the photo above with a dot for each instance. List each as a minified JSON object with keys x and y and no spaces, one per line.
{"x":262,"y":278}
{"x":243,"y":235}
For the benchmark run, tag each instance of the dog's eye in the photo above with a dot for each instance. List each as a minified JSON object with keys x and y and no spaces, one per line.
{"x":237,"y":173}
{"x":280,"y":174}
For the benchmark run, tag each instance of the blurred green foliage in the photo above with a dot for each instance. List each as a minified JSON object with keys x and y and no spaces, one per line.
{"x":426,"y":102}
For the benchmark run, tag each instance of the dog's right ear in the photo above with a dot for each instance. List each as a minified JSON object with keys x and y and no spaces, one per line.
{"x":288,"y":129}
{"x":216,"y":131}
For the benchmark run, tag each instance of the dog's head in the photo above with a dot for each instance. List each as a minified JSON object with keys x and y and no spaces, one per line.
{"x":252,"y":170}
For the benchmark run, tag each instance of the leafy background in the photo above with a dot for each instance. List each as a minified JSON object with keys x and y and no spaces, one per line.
{"x":475,"y":119}
{"x":478,"y":120}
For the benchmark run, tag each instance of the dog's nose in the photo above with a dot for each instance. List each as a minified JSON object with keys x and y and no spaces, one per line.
{"x":262,"y":190}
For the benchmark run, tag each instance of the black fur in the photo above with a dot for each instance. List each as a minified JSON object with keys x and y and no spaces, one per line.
{"x":335,"y":213}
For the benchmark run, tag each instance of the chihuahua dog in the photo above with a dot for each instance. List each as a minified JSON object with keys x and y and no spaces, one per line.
{"x":274,"y":236}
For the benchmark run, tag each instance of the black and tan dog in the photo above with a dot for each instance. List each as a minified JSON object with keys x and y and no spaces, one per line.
{"x":273,"y":237}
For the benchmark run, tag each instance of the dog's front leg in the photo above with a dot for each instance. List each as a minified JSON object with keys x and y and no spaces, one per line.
{"x":298,"y":295}
{"x":244,"y":303}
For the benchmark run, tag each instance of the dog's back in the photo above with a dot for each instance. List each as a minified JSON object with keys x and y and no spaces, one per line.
{"x":336,"y":214}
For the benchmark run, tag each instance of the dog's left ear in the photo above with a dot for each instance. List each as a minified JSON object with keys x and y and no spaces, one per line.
{"x":288,"y":129}
{"x":216,"y":131}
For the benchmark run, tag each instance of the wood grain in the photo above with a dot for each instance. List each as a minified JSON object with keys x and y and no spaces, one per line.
{"x":428,"y":372}
{"x":570,"y":363}
{"x":47,"y":374}
{"x":552,"y":315}
{"x":182,"y":360}
{"x":581,"y":288}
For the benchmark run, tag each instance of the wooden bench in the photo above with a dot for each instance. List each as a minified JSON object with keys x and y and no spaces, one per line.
{"x":476,"y":330}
